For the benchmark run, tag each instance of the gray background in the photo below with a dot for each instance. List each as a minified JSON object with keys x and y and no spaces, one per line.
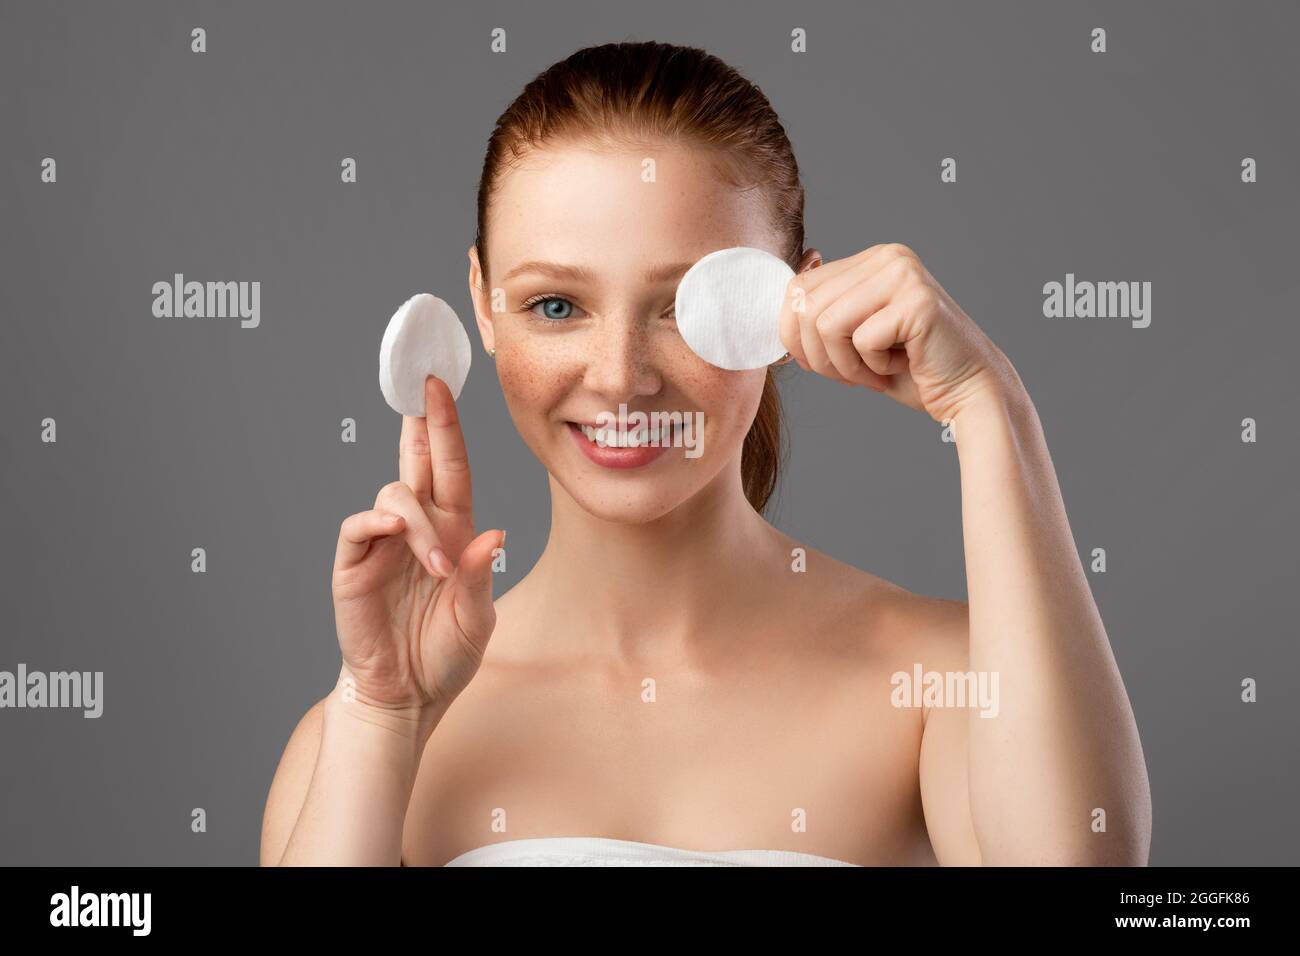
{"x":175,"y":433}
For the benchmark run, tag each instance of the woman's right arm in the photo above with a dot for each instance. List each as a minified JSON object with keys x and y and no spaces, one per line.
{"x":413,"y":609}
{"x":340,"y":794}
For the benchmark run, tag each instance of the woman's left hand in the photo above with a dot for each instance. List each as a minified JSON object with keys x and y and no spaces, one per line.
{"x":881,"y":320}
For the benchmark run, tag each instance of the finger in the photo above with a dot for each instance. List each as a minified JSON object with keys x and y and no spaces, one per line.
{"x":840,"y":317}
{"x":473,"y":607}
{"x":843,"y":355}
{"x":876,"y":338}
{"x":421,"y":538}
{"x":834,"y":270}
{"x":358,"y":531}
{"x":787,"y":320}
{"x":845,"y":305}
{"x":872,"y":285}
{"x":839,"y":350}
{"x":815,"y":350}
{"x":414,"y":467}
{"x":852,"y":295}
{"x":452,"y":488}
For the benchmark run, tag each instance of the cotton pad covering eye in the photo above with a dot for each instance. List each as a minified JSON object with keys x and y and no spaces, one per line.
{"x":424,"y":337}
{"x":728,"y":304}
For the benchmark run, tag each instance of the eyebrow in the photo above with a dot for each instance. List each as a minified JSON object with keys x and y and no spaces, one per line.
{"x":658,"y":273}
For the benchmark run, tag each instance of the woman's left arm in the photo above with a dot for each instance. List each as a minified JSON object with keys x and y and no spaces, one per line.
{"x":1058,"y":775}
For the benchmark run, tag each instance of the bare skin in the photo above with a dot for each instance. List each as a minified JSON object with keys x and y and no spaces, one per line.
{"x":662,"y":674}
{"x":783,"y":713}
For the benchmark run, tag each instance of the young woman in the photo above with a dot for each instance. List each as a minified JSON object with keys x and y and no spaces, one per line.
{"x":671,"y":683}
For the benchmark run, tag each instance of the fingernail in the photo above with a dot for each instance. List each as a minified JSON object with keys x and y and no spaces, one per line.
{"x":503,"y":538}
{"x":440,"y":563}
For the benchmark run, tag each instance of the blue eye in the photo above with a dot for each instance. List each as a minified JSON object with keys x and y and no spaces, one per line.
{"x":554,"y":307}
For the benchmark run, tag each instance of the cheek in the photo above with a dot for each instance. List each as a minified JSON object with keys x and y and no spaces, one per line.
{"x":531,"y":373}
{"x":729,"y":401}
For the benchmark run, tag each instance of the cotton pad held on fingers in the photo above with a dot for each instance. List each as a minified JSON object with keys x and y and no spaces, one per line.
{"x":424,"y":337}
{"x":728,"y":305}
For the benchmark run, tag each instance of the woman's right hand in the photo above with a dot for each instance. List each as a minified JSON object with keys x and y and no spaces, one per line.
{"x":412,"y":584}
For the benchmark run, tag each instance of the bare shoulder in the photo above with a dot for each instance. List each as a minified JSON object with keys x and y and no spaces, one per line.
{"x":289,"y":787}
{"x":892,"y":617}
{"x":900,"y":632}
{"x":937,"y":628}
{"x":883,"y":634}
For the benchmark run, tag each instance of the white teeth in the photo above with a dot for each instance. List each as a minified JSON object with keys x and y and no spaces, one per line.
{"x":613,"y":438}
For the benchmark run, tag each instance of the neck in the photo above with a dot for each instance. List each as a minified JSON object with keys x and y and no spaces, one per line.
{"x":670,"y":583}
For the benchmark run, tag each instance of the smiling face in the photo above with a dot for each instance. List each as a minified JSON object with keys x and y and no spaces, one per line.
{"x":585,"y":257}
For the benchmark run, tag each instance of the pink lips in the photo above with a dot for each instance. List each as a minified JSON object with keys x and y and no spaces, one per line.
{"x":615,"y":457}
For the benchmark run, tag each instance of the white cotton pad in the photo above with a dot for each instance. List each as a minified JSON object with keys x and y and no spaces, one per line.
{"x":424,"y":337}
{"x":728,"y":304}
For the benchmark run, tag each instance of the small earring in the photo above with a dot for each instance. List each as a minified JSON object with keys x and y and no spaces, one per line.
{"x":783,"y":359}
{"x":492,"y":352}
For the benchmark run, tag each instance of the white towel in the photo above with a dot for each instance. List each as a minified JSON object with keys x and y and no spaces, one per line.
{"x":605,"y":851}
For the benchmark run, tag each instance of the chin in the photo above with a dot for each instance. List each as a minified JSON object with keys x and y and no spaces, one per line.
{"x":627,"y":505}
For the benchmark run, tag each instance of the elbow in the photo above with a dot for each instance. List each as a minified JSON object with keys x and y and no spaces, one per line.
{"x":1126,"y":841}
{"x":1113,"y":853}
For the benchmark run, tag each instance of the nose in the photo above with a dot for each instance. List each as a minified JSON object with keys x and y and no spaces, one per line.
{"x":621,"y":363}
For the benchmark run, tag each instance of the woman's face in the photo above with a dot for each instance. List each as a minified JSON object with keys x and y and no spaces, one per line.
{"x":586,"y":249}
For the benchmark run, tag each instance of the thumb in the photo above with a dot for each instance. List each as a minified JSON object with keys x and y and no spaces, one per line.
{"x":475,"y":614}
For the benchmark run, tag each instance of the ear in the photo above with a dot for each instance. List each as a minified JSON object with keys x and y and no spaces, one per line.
{"x":811,"y":259}
{"x":482,"y":299}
